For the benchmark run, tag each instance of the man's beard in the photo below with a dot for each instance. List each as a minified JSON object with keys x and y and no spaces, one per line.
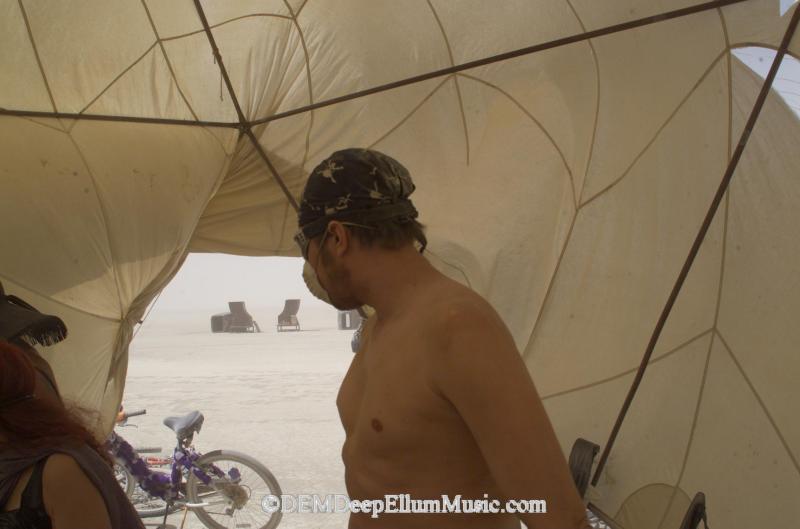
{"x":338,"y":283}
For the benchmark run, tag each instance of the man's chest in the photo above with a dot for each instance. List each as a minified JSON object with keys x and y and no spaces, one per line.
{"x":387,"y":399}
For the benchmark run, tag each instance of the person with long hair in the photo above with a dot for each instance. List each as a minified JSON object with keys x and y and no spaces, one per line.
{"x":53,"y":472}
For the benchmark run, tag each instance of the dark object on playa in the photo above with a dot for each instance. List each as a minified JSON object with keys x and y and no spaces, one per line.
{"x":348,"y":319}
{"x":581,"y":459}
{"x":288,"y":318}
{"x":237,"y":320}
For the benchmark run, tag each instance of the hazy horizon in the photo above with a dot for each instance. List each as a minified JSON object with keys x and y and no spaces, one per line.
{"x":207,"y":282}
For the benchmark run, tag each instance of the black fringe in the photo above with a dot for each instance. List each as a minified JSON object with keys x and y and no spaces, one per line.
{"x":47,"y":331}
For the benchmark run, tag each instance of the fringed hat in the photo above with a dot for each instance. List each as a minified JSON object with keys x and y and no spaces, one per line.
{"x":20,"y":320}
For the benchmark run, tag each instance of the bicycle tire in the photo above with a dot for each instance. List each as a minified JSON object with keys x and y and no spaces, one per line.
{"x":212,"y":518}
{"x":125,"y":479}
{"x":148,"y":506}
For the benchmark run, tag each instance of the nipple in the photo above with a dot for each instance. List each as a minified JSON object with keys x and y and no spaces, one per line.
{"x":376,"y":425}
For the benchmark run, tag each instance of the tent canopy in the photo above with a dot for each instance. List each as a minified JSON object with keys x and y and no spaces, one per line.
{"x":566,"y":186}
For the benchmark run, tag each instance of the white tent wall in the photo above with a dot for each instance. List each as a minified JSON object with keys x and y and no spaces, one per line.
{"x":566,"y":186}
{"x":99,"y":216}
{"x":671,"y":437}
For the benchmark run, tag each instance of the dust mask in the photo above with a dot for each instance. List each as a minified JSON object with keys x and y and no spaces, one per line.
{"x":313,"y":284}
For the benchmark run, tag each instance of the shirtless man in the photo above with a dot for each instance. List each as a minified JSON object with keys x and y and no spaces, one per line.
{"x":437,"y":400}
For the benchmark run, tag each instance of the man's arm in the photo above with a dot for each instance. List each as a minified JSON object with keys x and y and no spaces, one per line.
{"x":481,"y":373}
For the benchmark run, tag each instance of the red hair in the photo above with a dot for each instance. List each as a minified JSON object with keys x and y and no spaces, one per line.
{"x":35,"y":423}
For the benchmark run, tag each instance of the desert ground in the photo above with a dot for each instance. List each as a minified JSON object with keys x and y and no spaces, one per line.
{"x":270,"y":395}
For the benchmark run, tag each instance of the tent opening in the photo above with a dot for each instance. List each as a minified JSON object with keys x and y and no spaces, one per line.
{"x":268,"y":394}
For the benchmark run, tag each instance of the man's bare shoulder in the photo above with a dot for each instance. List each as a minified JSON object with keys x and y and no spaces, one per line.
{"x":453,"y":303}
{"x":474,"y":348}
{"x":454,"y":310}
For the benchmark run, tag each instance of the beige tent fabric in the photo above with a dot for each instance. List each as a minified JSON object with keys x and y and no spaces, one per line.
{"x":97,"y":217}
{"x":709,"y":417}
{"x":566,"y":186}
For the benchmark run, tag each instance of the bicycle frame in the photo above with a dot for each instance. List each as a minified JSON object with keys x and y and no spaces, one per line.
{"x":160,"y":484}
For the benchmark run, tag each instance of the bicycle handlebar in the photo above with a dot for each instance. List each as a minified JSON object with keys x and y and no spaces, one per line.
{"x":134,"y":413}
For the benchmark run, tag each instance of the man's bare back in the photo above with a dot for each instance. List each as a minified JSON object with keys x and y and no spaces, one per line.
{"x":403,"y":434}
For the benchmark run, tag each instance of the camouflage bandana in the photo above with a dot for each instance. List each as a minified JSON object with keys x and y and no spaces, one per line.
{"x":361,"y":185}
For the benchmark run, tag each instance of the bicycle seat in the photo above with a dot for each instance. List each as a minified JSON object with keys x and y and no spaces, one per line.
{"x":185,"y":426}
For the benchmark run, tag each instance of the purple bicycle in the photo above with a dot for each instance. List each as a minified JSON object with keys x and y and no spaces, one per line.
{"x":224,"y":488}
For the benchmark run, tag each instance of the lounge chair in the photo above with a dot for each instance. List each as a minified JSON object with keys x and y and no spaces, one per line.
{"x":237,"y":320}
{"x":288,"y":318}
{"x":241,"y":320}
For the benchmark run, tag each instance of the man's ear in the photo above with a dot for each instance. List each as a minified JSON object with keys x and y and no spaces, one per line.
{"x":341,"y":238}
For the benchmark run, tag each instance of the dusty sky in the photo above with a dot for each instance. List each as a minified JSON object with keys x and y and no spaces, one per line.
{"x":787,"y":82}
{"x":209,"y":281}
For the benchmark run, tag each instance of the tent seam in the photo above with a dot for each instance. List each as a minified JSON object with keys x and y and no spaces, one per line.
{"x":59,"y":302}
{"x":221,"y":175}
{"x":700,"y":238}
{"x":272,"y":103}
{"x":217,"y":140}
{"x":283,"y":225}
{"x":564,"y":41}
{"x":109,"y":85}
{"x":223,"y":23}
{"x":463,"y":117}
{"x":431,"y":75}
{"x":455,"y":78}
{"x":409,"y":115}
{"x":245,"y":126}
{"x":104,"y":216}
{"x":596,"y":106}
{"x":308,"y":76}
{"x":722,"y":259}
{"x":169,"y":63}
{"x":303,"y":5}
{"x":691,"y":432}
{"x":628,"y":371}
{"x":550,"y":283}
{"x":535,"y":121}
{"x":760,"y":402}
{"x":730,"y":82}
{"x":183,"y":253}
{"x":31,"y":120}
{"x":144,"y":318}
{"x":36,"y":54}
{"x":658,"y":132}
{"x":729,"y":144}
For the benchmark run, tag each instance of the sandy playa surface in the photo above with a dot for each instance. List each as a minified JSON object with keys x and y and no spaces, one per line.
{"x":270,"y":395}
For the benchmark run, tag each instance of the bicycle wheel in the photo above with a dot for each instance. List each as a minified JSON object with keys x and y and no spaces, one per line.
{"x":124,"y":478}
{"x":233,"y":502}
{"x":148,"y":506}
